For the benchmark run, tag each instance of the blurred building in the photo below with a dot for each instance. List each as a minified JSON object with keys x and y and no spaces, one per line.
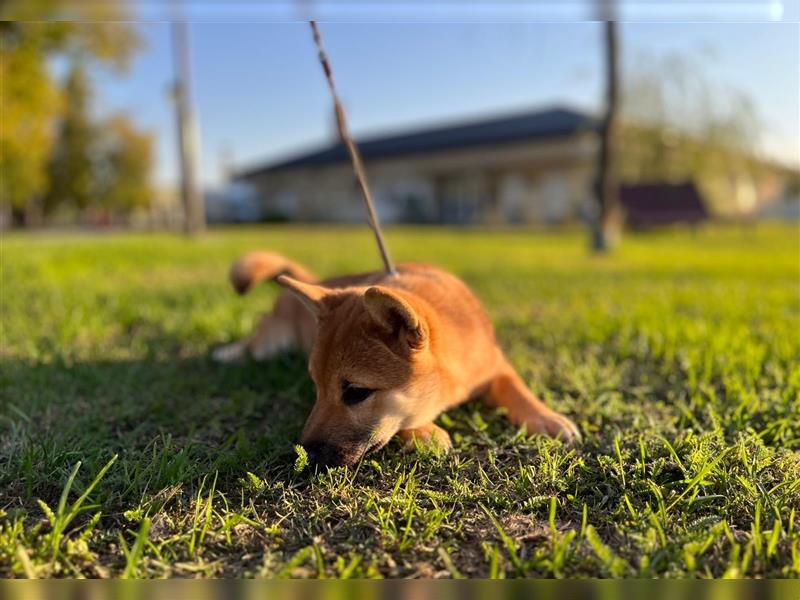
{"x":534,"y":167}
{"x":234,"y":202}
{"x":523,"y":168}
{"x":785,"y":208}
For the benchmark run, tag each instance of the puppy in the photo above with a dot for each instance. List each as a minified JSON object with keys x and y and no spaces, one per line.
{"x":387,"y":353}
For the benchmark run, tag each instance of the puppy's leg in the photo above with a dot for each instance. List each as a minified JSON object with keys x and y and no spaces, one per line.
{"x":272,"y":336}
{"x":231,"y":353}
{"x":429,"y":435}
{"x":507,"y":390}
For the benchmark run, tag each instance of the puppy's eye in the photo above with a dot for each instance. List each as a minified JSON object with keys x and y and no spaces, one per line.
{"x":353,"y":394}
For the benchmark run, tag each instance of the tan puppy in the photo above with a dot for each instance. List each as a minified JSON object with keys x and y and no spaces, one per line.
{"x":388,"y":354}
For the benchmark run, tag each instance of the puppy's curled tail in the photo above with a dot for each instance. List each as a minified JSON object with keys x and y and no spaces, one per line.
{"x":255,"y":267}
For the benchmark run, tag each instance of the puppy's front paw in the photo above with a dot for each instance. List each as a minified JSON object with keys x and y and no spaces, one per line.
{"x":553,"y":424}
{"x":229,"y":353}
{"x":430,"y":436}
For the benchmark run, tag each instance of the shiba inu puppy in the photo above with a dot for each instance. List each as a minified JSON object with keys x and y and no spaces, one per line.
{"x":387,"y":353}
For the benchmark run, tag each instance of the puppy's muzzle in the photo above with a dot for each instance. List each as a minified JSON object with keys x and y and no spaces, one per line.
{"x":324,"y":455}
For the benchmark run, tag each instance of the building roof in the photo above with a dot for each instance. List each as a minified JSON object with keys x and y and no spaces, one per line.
{"x":555,"y":122}
{"x":662,"y":203}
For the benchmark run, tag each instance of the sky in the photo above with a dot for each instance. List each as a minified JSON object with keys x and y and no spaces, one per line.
{"x":260,"y":95}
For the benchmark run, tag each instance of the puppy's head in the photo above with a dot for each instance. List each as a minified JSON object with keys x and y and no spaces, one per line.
{"x":372,"y":367}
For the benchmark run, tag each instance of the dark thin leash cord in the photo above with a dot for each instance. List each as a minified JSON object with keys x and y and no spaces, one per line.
{"x":352,"y":149}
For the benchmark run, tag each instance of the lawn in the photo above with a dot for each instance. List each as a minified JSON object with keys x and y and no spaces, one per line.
{"x":124,"y":451}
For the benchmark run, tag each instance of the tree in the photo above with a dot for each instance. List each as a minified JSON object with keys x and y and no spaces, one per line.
{"x":93,"y":30}
{"x":71,"y":176}
{"x":31,"y":100}
{"x":125,"y":163}
{"x":675,"y":127}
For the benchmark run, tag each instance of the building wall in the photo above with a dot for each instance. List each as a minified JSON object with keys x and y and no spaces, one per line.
{"x":543,"y":181}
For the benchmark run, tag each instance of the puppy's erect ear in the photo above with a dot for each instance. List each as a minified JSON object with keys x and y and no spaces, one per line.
{"x":395,"y":315}
{"x":309,"y":294}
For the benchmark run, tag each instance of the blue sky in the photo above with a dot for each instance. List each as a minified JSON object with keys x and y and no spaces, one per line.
{"x":260,"y":94}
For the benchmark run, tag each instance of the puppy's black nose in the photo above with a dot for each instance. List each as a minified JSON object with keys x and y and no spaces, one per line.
{"x":313,"y":451}
{"x":322,"y":454}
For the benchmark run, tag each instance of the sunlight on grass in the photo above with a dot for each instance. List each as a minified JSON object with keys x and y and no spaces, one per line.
{"x":678,"y":357}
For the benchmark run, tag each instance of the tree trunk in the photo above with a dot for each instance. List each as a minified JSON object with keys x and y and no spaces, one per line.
{"x":606,"y":229}
{"x":33,"y":213}
{"x":6,"y":216}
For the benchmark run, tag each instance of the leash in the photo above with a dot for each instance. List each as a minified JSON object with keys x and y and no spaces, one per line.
{"x":352,"y":149}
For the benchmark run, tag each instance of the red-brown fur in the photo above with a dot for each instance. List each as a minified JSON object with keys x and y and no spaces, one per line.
{"x":420,"y":339}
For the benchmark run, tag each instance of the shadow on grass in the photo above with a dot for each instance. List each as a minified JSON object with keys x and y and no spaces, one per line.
{"x":170,"y":421}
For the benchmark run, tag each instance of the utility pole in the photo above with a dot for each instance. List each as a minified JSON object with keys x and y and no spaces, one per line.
{"x":607,"y":225}
{"x":193,"y":209}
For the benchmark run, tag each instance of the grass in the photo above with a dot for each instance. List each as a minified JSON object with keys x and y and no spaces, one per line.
{"x":125,"y":452}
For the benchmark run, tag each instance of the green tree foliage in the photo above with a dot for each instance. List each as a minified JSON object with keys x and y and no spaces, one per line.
{"x":31,"y":100}
{"x":126,"y":160}
{"x":71,"y":169}
{"x":93,"y":30}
